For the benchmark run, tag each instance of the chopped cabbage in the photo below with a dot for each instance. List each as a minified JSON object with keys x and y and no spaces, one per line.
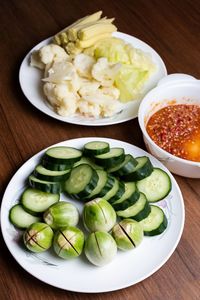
{"x":135,"y":70}
{"x":114,"y":49}
{"x":130,"y":81}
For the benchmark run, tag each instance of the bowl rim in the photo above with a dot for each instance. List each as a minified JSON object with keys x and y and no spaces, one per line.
{"x":143,"y":128}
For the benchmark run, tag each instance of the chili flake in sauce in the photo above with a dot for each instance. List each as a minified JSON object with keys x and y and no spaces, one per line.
{"x":176,"y":129}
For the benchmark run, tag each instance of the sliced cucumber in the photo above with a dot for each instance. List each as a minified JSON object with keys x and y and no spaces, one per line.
{"x":111,"y":158}
{"x":112,"y":192}
{"x":155,"y":187}
{"x":63,"y":155}
{"x":119,"y":193}
{"x":86,"y":160}
{"x":126,"y":167}
{"x":21,"y":218}
{"x":45,"y":186}
{"x":55,"y":167}
{"x":108,"y":186}
{"x":36,"y":201}
{"x":138,"y":211}
{"x":103,"y":177}
{"x":143,"y":169}
{"x":96,"y":148}
{"x":155,"y":223}
{"x":82,"y":181}
{"x":130,"y":196}
{"x":44,"y":174}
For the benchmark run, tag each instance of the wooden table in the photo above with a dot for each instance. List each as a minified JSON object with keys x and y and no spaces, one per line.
{"x":173,"y":29}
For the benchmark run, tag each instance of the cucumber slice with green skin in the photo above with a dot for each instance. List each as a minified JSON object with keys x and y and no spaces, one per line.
{"x":143,"y":169}
{"x":155,"y":223}
{"x":82,"y":181}
{"x":119,"y":193}
{"x":103,"y":177}
{"x":96,"y":148}
{"x":114,"y":157}
{"x":36,"y":201}
{"x":126,"y":167}
{"x":63,"y":155}
{"x":21,"y":218}
{"x":54,"y":176}
{"x":138,"y":211}
{"x":86,"y":160}
{"x":108,"y":186}
{"x":43,"y":185}
{"x":112,"y":192}
{"x":130,"y":197}
{"x":155,"y":187}
{"x":55,"y":167}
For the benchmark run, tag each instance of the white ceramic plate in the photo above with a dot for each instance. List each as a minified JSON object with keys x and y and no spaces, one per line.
{"x":79,"y":275}
{"x":31,"y":85}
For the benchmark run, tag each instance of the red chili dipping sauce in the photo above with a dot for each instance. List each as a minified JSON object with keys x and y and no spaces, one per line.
{"x":176,"y":129}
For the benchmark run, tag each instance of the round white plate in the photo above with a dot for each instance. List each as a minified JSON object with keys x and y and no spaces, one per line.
{"x":79,"y":275}
{"x":31,"y":85}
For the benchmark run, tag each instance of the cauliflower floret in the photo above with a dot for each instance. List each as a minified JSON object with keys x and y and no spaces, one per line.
{"x":89,"y":109}
{"x":88,"y":88}
{"x":49,"y":91}
{"x":99,"y":97}
{"x":100,"y":104}
{"x":62,"y":72}
{"x":68,"y":106}
{"x":50,"y":53}
{"x":105,"y":72}
{"x":111,"y":91}
{"x":110,"y":109}
{"x":60,"y":97}
{"x":83,"y":64}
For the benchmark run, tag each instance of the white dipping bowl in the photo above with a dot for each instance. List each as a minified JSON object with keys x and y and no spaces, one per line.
{"x":173,"y":89}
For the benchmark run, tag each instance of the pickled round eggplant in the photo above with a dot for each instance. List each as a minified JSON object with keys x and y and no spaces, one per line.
{"x":128,"y":234}
{"x":100,"y":248}
{"x":61,"y":214}
{"x":68,"y":242}
{"x":38,"y":237}
{"x":98,"y":215}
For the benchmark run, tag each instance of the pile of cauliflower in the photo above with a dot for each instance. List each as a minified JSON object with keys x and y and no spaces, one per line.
{"x":78,"y":85}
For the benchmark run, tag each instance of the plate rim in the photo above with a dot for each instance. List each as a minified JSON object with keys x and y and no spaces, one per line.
{"x":38,"y":154}
{"x":94,"y":121}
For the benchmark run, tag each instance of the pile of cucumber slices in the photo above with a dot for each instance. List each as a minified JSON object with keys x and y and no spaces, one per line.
{"x":131,"y":185}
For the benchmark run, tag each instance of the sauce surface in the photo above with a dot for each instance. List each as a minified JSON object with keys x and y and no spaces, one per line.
{"x":176,"y":129}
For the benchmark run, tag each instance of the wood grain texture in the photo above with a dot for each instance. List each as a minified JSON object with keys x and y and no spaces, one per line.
{"x":172,"y":27}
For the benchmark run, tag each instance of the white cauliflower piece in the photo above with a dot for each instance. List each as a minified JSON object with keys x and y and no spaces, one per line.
{"x":89,"y":88}
{"x":64,"y":71}
{"x":105,"y":72}
{"x":99,"y":97}
{"x":46,"y":69}
{"x":68,"y":106}
{"x":89,"y":109}
{"x":103,"y":103}
{"x":50,"y":53}
{"x":83,"y":64}
{"x":111,"y":91}
{"x":49,"y":91}
{"x":111,"y":108}
{"x":61,"y":98}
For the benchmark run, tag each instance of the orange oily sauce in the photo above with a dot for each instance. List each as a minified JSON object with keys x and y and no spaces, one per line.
{"x":176,"y":129}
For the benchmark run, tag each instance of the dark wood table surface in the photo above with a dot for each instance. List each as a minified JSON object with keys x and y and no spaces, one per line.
{"x":172,"y":28}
